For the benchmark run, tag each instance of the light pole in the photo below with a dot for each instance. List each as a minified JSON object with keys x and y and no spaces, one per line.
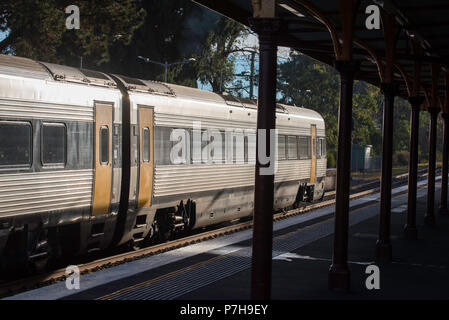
{"x":166,"y":64}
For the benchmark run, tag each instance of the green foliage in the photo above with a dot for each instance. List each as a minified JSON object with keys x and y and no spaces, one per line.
{"x":423,"y":138}
{"x":401,"y":158}
{"x":307,"y":83}
{"x":113,"y":33}
{"x":216,"y":61}
{"x":401,"y":125}
{"x":311,"y":84}
{"x":172,"y":31}
{"x":36,"y":29}
{"x":439,"y":156}
{"x":331,"y":162}
{"x":364,"y":112}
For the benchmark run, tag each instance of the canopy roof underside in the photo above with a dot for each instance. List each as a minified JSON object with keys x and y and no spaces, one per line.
{"x":426,"y":21}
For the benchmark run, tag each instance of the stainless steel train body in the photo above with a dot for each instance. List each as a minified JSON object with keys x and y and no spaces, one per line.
{"x":86,"y":159}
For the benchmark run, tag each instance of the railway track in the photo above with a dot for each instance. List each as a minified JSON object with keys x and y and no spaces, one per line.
{"x":36,"y":281}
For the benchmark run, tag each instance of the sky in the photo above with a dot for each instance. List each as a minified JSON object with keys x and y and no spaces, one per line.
{"x":3,"y":35}
{"x":241,"y":65}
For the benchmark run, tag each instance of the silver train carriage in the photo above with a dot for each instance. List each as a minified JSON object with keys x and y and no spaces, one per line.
{"x":90,"y":160}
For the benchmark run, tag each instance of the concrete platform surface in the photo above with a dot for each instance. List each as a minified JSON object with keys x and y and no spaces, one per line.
{"x":301,"y":258}
{"x":302,"y":249}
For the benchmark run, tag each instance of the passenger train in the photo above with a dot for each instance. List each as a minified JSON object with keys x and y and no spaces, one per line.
{"x":87,"y":160}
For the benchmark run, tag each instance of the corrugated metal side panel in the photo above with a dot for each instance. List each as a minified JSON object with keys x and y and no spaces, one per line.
{"x":321,"y":132}
{"x":182,"y":121}
{"x":41,"y":110}
{"x":195,"y":178}
{"x":26,"y":193}
{"x":176,"y":179}
{"x":293,"y":131}
{"x":321,"y":167}
{"x":293,"y":170}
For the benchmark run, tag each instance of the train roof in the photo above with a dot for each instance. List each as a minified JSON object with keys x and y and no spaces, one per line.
{"x":84,"y":76}
{"x":24,"y":67}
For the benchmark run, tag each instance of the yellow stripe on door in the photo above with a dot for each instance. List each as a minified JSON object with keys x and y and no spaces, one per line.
{"x":146,"y":156}
{"x":103,"y":159}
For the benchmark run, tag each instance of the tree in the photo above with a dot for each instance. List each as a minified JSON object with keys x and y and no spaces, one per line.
{"x":172,"y":31}
{"x":36,"y":29}
{"x":311,"y":84}
{"x":364,"y":116}
{"x":307,"y":83}
{"x":401,"y":125}
{"x":216,"y":61}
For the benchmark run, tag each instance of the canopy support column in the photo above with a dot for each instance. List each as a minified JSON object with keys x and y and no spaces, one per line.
{"x":410,"y":230}
{"x":339,"y":276}
{"x":267,"y":29}
{"x":433,"y":108}
{"x":383,"y":245}
{"x":443,"y":203}
{"x":429,"y":218}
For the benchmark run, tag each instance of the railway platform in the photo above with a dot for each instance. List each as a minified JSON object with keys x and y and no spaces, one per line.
{"x":219,"y":269}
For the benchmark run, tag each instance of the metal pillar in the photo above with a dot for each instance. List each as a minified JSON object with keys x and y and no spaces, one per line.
{"x":267,"y":29}
{"x":443,"y":203}
{"x":339,"y":276}
{"x":410,"y":230}
{"x":383,"y":245}
{"x":429,"y":218}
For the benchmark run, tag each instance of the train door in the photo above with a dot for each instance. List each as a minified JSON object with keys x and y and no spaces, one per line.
{"x":313,"y":146}
{"x":103,"y":158}
{"x":146,"y":156}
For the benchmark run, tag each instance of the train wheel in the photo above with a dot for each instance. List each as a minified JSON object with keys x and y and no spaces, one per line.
{"x":164,"y":235}
{"x":15,"y":257}
{"x":164,"y":229}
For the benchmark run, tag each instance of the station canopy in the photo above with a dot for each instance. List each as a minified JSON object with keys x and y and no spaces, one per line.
{"x":425,"y":22}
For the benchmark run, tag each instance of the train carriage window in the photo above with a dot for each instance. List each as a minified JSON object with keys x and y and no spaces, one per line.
{"x":219,"y":153}
{"x":314,"y":147}
{"x":104,"y":145}
{"x":15,"y":143}
{"x":53,"y":142}
{"x":162,"y":145}
{"x":171,"y":146}
{"x":245,"y":148}
{"x":304,"y":147}
{"x":238,"y":147}
{"x":318,"y":148}
{"x":146,"y":144}
{"x":321,"y":147}
{"x":324,"y":147}
{"x":180,"y":147}
{"x":281,"y":147}
{"x":292,"y":147}
{"x":199,"y":141}
{"x":251,"y":146}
